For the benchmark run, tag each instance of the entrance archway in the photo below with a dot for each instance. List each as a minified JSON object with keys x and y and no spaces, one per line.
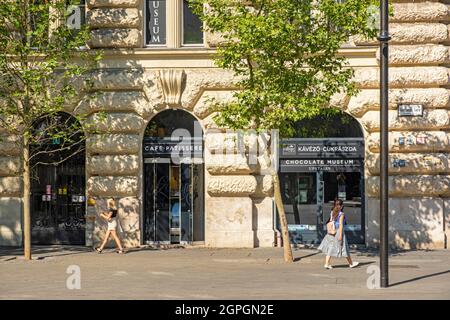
{"x":173,"y":177}
{"x":58,"y":182}
{"x":323,"y":162}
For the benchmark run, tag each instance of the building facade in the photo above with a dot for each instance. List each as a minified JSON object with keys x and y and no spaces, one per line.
{"x":157,"y":75}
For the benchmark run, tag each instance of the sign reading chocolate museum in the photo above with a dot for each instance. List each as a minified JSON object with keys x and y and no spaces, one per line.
{"x":331,"y":155}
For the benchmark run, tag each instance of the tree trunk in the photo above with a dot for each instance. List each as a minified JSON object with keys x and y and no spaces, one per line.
{"x":26,"y":201}
{"x":283,"y":222}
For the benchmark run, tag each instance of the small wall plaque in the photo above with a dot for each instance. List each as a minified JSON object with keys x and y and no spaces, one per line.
{"x":410,"y":110}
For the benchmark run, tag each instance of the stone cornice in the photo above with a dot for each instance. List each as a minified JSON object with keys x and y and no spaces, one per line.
{"x":198,"y":53}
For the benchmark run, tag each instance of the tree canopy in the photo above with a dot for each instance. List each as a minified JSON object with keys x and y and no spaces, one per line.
{"x":285,"y":55}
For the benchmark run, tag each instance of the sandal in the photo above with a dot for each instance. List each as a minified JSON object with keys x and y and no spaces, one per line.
{"x":98,"y":250}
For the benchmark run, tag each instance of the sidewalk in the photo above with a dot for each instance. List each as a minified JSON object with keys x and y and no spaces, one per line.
{"x":201,"y":273}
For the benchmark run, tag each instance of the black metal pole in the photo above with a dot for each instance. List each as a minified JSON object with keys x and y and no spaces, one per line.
{"x":384,"y":144}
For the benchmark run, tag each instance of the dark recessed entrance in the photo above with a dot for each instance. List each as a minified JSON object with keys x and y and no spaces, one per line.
{"x":58,"y":184}
{"x":173,"y":179}
{"x":323,"y":162}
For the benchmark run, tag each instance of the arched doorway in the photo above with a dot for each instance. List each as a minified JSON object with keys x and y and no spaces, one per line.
{"x":58,"y":181}
{"x":173,"y":179}
{"x":323,"y":162}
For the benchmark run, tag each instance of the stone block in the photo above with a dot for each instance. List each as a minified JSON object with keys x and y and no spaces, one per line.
{"x":225,"y":164}
{"x":10,"y":186}
{"x":111,"y":165}
{"x":119,"y":101}
{"x":411,"y":186}
{"x":263,"y":222}
{"x":113,"y":144}
{"x":369,"y":100}
{"x":10,"y":166}
{"x":416,"y":55}
{"x":115,"y":123}
{"x":419,"y":12}
{"x":434,"y":141}
{"x":414,"y":223}
{"x":431,"y":120}
{"x":113,"y":18}
{"x":231,"y":186}
{"x":117,"y":79}
{"x":9,"y":146}
{"x":411,"y":33}
{"x":10,"y":221}
{"x":115,"y":38}
{"x":206,"y":104}
{"x":401,"y":77}
{"x":229,"y":222}
{"x":200,"y":80}
{"x":416,"y":163}
{"x":126,"y":186}
{"x":113,"y":3}
{"x":218,"y":142}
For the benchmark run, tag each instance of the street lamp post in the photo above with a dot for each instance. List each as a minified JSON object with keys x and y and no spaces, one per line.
{"x":384,"y":144}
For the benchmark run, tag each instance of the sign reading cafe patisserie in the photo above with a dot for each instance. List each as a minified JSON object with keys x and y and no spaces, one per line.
{"x":165,"y":147}
{"x":155,"y":22}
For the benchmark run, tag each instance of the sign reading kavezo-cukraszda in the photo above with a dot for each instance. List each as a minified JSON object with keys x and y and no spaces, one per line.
{"x":332,"y":155}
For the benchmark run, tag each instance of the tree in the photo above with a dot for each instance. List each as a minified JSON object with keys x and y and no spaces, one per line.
{"x":43,"y":61}
{"x":285,"y":53}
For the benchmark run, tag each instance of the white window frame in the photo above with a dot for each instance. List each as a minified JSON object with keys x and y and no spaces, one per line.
{"x":188,"y":45}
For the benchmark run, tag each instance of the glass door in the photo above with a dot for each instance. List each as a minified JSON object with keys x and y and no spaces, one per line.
{"x":162,"y":201}
{"x":347,"y":186}
{"x":299,"y":193}
{"x":186,"y":222}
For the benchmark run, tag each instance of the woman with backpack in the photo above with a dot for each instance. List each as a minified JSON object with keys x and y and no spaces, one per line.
{"x":335,"y":244}
{"x":111,"y":217}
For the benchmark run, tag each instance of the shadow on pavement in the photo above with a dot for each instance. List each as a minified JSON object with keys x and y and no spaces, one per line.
{"x":41,"y":252}
{"x":420,"y":278}
{"x":307,"y":256}
{"x":361,"y":264}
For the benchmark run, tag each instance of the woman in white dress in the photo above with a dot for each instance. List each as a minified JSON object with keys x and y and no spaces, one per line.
{"x":335,"y":244}
{"x":111,"y":218}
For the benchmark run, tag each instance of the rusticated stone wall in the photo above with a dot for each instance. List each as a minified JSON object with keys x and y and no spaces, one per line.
{"x":115,"y":23}
{"x":419,"y":74}
{"x":120,"y":106}
{"x":10,"y":191}
{"x":238,"y":193}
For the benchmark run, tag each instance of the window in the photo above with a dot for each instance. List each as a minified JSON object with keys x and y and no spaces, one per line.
{"x":192,"y":26}
{"x":172,"y":24}
{"x":155,"y":18}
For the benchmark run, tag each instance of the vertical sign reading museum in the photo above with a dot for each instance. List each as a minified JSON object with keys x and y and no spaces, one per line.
{"x":156,"y":22}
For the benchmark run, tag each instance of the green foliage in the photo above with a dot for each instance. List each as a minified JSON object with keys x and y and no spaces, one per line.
{"x":42,"y":66}
{"x":285,"y":54}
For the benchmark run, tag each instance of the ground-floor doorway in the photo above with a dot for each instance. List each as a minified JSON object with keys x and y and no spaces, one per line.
{"x":173,"y":180}
{"x":58,"y":185}
{"x":308,"y":200}
{"x":173,"y":202}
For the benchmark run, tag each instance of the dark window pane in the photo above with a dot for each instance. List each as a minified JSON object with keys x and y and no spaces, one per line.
{"x":192,"y":26}
{"x":155,"y":22}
